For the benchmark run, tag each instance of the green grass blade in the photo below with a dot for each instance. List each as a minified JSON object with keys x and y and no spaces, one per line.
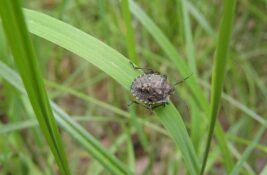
{"x":172,"y":120}
{"x":219,"y":69}
{"x":115,"y":65}
{"x":264,"y":171}
{"x":240,"y":106}
{"x":74,"y":129}
{"x":248,"y":151}
{"x":139,"y":129}
{"x":130,"y":37}
{"x":17,"y":126}
{"x":190,"y":51}
{"x":130,"y":151}
{"x":222,"y":140}
{"x":90,"y":143}
{"x":106,"y":106}
{"x":200,"y":18}
{"x":26,"y":62}
{"x":238,"y":156}
{"x":88,"y":99}
{"x":120,"y":140}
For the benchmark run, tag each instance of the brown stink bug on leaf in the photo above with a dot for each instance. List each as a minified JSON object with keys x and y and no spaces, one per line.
{"x":152,"y":89}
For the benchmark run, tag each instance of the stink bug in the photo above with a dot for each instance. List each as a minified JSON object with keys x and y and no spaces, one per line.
{"x":152,"y":89}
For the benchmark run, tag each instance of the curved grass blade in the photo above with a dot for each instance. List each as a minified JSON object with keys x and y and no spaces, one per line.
{"x":219,"y":69}
{"x":73,"y":128}
{"x":26,"y":61}
{"x":115,"y":65}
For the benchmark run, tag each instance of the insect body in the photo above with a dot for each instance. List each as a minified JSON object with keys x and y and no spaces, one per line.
{"x":151,"y":89}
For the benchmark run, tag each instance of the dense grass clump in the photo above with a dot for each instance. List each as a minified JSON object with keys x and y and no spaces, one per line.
{"x":65,"y":83}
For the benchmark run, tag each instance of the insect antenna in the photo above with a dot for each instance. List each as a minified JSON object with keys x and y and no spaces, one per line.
{"x":181,"y":81}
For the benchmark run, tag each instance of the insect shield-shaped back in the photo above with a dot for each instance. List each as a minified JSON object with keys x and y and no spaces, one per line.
{"x":151,"y":89}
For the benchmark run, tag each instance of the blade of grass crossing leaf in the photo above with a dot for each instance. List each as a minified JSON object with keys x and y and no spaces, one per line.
{"x":219,"y":69}
{"x":248,"y":151}
{"x":115,"y":65}
{"x":129,"y":32}
{"x":26,"y":61}
{"x":74,"y":129}
{"x":238,"y":156}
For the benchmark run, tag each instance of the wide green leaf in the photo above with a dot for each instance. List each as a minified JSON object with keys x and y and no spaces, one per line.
{"x":115,"y":65}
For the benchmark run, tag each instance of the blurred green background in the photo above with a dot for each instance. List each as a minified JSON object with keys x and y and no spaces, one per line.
{"x":71,"y":81}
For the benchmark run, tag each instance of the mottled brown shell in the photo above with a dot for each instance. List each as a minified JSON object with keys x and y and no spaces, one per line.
{"x":151,"y":88}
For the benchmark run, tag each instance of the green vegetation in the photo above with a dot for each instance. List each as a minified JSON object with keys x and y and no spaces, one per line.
{"x":65,"y":84}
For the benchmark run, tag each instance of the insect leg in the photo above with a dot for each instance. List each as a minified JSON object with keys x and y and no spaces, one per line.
{"x":135,"y":67}
{"x":166,"y":103}
{"x":132,"y":102}
{"x":159,"y":105}
{"x":149,"y":107}
{"x":164,"y":77}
